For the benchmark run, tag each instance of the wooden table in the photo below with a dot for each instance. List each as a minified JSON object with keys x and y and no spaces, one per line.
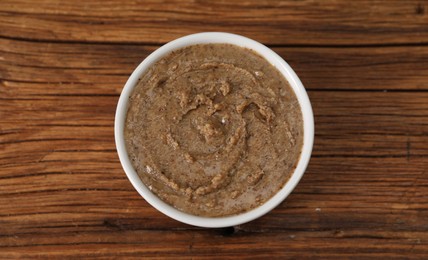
{"x":63,"y":192}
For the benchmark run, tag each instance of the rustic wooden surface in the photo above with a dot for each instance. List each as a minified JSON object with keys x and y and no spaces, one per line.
{"x":63,"y":192}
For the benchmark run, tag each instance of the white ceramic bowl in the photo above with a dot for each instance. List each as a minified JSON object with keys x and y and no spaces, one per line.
{"x":274,"y":59}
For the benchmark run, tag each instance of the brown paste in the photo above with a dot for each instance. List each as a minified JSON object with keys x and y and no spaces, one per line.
{"x":214,"y":129}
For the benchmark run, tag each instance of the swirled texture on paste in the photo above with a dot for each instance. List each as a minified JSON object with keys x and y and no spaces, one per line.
{"x":214,"y":129}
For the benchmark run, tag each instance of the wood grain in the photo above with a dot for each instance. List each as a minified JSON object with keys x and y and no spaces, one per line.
{"x":63,"y":193}
{"x":81,"y":69}
{"x":272,"y":22}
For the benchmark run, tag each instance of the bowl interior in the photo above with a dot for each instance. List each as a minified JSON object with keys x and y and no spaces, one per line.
{"x":275,"y":60}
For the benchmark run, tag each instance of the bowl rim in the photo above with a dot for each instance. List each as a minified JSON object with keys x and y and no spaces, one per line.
{"x":284,"y":69}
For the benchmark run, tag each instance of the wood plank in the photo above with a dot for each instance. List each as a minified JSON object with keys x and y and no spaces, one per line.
{"x":98,"y":69}
{"x":210,"y":243}
{"x":389,"y":124}
{"x":271,"y":22}
{"x":335,"y":193}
